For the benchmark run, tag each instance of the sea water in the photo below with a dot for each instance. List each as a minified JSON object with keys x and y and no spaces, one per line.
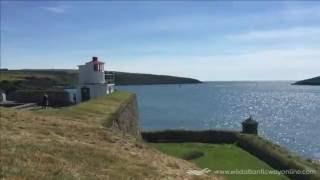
{"x":287,"y":114}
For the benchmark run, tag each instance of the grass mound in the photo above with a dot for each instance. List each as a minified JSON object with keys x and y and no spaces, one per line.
{"x":74,"y":143}
{"x":221,"y":157}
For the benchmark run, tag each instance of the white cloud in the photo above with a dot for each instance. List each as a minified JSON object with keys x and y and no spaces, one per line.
{"x":205,"y":21}
{"x":273,"y":64}
{"x":297,"y":10}
{"x":59,"y":9}
{"x":291,"y":33}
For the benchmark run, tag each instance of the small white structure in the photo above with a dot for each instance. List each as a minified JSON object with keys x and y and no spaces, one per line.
{"x":3,"y":98}
{"x":92,"y":81}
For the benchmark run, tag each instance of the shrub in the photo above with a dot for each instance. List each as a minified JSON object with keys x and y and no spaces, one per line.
{"x":192,"y":155}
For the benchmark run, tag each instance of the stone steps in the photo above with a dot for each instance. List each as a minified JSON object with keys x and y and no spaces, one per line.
{"x":26,"y":106}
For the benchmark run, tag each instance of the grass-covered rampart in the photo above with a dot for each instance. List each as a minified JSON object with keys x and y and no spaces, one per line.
{"x":102,"y":110}
{"x":275,"y":155}
{"x":76,"y":143}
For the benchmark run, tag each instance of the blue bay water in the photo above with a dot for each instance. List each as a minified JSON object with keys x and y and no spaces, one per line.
{"x":288,"y":115}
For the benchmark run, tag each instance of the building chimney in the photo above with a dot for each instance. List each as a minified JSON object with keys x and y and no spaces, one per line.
{"x":94,"y":58}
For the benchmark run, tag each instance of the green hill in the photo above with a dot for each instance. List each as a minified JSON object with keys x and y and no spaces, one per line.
{"x":312,"y":81}
{"x":11,"y":80}
{"x":124,"y":78}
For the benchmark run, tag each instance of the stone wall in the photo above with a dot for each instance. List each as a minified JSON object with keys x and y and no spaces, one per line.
{"x":126,"y":118}
{"x":208,"y":136}
{"x":56,"y":97}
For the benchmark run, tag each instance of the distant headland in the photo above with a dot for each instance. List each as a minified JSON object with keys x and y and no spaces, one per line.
{"x":125,"y":78}
{"x":54,"y":78}
{"x":312,"y":81}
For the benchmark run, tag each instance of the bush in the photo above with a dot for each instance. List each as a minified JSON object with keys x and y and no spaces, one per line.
{"x":192,"y":155}
{"x":9,"y":86}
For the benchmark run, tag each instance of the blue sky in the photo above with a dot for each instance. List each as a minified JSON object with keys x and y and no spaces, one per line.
{"x":246,"y":40}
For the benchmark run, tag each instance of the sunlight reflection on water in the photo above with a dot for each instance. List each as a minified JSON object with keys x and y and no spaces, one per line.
{"x":288,"y":115}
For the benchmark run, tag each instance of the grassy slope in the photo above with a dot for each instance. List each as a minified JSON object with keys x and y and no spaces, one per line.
{"x":73,"y":143}
{"x":99,"y":110}
{"x":220,"y":157}
{"x":281,"y":152}
{"x":40,"y":79}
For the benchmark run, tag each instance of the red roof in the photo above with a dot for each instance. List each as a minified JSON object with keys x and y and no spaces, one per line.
{"x":96,"y":61}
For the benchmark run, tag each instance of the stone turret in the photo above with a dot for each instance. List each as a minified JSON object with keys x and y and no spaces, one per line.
{"x":250,"y":126}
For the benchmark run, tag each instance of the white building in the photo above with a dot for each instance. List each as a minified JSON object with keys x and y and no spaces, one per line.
{"x":2,"y":96}
{"x":92,"y":81}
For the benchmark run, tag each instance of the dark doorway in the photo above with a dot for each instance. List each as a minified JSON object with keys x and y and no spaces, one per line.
{"x":85,"y":94}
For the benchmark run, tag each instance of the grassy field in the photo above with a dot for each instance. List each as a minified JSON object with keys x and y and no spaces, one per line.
{"x":100,"y":110}
{"x":62,"y":76}
{"x":37,"y":79}
{"x":74,"y":143}
{"x":220,"y":157}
